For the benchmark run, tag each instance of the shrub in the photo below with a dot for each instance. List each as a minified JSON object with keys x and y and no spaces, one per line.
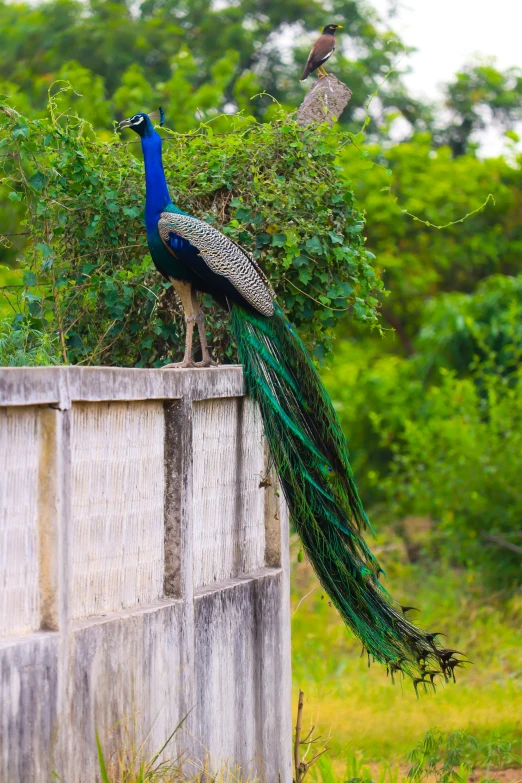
{"x":457,"y":461}
{"x":22,"y":345}
{"x":445,"y":444}
{"x":88,"y":276}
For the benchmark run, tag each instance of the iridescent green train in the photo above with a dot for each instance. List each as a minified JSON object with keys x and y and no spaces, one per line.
{"x":310,"y":453}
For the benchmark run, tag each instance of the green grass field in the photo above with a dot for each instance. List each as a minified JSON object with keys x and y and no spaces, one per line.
{"x":359,"y":706}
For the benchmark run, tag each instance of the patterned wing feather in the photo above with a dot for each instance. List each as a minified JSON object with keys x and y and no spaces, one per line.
{"x":223,"y":257}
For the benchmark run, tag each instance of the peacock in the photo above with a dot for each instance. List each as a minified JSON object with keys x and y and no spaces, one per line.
{"x":306,"y":442}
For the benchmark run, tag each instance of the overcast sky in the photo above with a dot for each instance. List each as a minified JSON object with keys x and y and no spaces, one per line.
{"x":448,"y":34}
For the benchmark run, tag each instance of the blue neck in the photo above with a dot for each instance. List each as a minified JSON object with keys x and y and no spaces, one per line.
{"x":157,"y":193}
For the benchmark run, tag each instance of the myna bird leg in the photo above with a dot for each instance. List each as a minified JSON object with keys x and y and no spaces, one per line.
{"x":187,"y":297}
{"x":206,"y":360}
{"x":322,"y":72}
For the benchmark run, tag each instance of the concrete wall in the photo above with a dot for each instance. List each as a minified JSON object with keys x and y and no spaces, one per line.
{"x":143,"y":573}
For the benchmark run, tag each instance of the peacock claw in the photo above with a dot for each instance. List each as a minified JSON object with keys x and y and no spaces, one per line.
{"x":184,"y":365}
{"x":190,"y":364}
{"x":207,"y":363}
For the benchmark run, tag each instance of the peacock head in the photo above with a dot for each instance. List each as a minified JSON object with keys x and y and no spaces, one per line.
{"x":142,"y":123}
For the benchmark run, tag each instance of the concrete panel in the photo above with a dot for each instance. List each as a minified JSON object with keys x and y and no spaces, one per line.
{"x":28,"y":712}
{"x":19,"y":460}
{"x":228,"y":502}
{"x":242,"y":677}
{"x":125,"y":677}
{"x":117,"y":536}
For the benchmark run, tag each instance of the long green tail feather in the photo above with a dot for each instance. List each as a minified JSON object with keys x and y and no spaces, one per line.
{"x":310,"y":453}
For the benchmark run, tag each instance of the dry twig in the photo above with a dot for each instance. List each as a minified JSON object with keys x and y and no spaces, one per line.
{"x":302,"y":766}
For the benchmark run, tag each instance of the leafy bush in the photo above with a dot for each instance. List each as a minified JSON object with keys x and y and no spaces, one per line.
{"x":418,"y":262}
{"x":440,"y":435}
{"x":457,"y":461}
{"x":449,"y":758}
{"x":373,"y":392}
{"x":461,"y":331}
{"x":21,"y":344}
{"x":88,"y":275}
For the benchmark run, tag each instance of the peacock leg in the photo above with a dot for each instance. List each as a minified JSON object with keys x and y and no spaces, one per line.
{"x":200,"y":320}
{"x":184,"y":291}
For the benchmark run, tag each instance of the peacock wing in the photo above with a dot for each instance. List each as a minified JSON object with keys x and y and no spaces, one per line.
{"x":222,"y":256}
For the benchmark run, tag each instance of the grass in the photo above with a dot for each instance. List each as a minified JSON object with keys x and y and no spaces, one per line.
{"x":439,"y":757}
{"x":360,"y":707}
{"x":131,"y":763}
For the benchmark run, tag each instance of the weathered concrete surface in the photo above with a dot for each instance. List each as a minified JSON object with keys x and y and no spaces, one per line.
{"x":230,"y":622}
{"x":327,"y":98}
{"x":62,"y":385}
{"x":28,"y":707}
{"x":229,"y":462}
{"x":19,"y":593}
{"x":125,"y":677}
{"x":117,"y":534}
{"x":143,"y":573}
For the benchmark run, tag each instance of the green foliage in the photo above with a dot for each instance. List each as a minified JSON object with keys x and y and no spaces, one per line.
{"x":146,"y":49}
{"x":446,"y":426}
{"x":22,"y":345}
{"x":418,"y":262}
{"x":478,"y":94}
{"x":456,"y":462}
{"x":447,"y":757}
{"x":88,"y":276}
{"x":101,"y":760}
{"x":373,"y":392}
{"x":461,"y":331}
{"x":442,"y":757}
{"x":129,"y":764}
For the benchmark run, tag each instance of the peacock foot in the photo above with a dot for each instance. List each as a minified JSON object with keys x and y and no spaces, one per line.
{"x":184,"y":365}
{"x":190,"y":364}
{"x":207,"y":362}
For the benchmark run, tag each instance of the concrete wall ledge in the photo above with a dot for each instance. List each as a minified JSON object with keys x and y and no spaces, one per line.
{"x":62,"y":386}
{"x":230,"y":584}
{"x":144,"y":573}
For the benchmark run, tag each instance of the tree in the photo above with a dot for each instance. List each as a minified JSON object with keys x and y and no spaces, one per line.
{"x":418,"y":261}
{"x":268,"y":44}
{"x":480,"y":95}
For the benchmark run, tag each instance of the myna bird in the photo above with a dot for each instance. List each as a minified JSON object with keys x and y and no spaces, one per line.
{"x":321,"y":51}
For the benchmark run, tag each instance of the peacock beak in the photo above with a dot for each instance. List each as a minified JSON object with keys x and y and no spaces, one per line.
{"x":125,"y":123}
